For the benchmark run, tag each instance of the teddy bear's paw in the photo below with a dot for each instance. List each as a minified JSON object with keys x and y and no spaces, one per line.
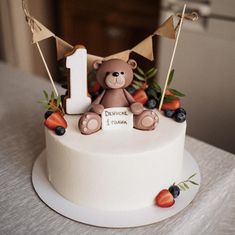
{"x":89,"y":123}
{"x":147,"y":120}
{"x":137,"y":108}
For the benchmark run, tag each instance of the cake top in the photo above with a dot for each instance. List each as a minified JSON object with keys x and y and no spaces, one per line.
{"x":121,"y":142}
{"x":116,"y":82}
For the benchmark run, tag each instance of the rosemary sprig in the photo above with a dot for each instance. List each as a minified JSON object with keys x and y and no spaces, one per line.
{"x":184,"y":185}
{"x":52,"y":103}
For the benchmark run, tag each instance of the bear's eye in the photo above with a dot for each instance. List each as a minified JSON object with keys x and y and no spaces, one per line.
{"x":122,"y":73}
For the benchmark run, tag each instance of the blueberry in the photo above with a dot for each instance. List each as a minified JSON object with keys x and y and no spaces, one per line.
{"x":59,"y":130}
{"x":174,"y":190}
{"x":169,"y":113}
{"x":48,"y":114}
{"x":151,"y":104}
{"x":180,"y":117}
{"x":150,"y":91}
{"x":180,"y":110}
{"x":131,"y":89}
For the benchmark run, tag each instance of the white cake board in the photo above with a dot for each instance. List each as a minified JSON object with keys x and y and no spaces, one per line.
{"x":110,"y":219}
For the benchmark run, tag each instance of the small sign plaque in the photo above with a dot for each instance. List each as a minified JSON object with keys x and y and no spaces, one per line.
{"x":117,"y":118}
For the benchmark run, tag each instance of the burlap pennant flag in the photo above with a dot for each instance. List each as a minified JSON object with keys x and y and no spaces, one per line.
{"x":62,"y":47}
{"x":123,"y":55}
{"x":145,"y":48}
{"x":40,"y":32}
{"x":90,"y":60}
{"x":167,"y":29}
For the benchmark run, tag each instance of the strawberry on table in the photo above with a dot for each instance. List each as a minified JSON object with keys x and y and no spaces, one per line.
{"x":164,"y":199}
{"x":54,"y":120}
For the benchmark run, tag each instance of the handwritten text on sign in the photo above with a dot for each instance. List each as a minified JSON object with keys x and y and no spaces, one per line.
{"x":117,"y":118}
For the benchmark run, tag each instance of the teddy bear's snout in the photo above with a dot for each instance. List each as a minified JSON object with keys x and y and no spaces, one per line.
{"x":115,"y":79}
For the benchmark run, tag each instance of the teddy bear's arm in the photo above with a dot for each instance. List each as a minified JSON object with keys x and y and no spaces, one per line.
{"x":96,"y":106}
{"x":136,"y":107}
{"x":129,"y":97}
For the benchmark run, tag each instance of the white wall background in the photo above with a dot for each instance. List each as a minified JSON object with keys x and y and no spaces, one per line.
{"x":15,"y":35}
{"x":205,"y":71}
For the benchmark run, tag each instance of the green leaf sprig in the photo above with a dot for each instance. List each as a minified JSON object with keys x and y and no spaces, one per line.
{"x":51,"y":103}
{"x":175,"y":93}
{"x":184,"y":185}
{"x":143,"y":79}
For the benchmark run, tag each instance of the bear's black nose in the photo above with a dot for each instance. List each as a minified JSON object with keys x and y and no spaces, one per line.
{"x":115,"y":74}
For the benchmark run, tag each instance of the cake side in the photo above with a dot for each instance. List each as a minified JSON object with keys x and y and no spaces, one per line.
{"x":121,"y":170}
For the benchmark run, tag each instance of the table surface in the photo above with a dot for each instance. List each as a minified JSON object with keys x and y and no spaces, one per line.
{"x":22,"y":140}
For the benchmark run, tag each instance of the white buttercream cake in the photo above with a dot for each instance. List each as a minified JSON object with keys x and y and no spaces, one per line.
{"x":115,"y":170}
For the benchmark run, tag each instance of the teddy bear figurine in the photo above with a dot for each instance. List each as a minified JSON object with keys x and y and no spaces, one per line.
{"x":114,"y":76}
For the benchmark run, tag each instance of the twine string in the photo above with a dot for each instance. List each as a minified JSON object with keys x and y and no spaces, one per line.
{"x":34,"y":27}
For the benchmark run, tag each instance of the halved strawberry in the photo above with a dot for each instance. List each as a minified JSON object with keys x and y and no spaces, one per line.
{"x":175,"y":104}
{"x":140,"y":96}
{"x":54,"y":120}
{"x":164,"y":199}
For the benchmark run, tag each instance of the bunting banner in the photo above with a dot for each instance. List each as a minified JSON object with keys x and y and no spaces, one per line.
{"x":144,"y":48}
{"x":167,"y":29}
{"x":40,"y":32}
{"x":62,"y":48}
{"x":124,"y":55}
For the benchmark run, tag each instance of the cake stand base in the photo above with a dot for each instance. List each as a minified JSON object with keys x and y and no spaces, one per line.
{"x":112,"y":219}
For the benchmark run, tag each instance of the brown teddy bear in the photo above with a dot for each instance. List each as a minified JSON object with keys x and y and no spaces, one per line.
{"x":114,"y":76}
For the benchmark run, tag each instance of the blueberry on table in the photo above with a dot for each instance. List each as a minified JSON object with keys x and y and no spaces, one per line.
{"x":180,"y":110}
{"x":169,"y":113}
{"x":180,"y":117}
{"x":131,"y":89}
{"x":59,"y":130}
{"x":174,"y":190}
{"x":48,"y":114}
{"x":151,"y":104}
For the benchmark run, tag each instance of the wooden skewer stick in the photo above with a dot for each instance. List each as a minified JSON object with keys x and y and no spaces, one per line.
{"x":48,"y":72}
{"x":172,"y":58}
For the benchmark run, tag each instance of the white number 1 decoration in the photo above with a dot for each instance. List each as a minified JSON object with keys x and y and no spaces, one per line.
{"x":78,"y":100}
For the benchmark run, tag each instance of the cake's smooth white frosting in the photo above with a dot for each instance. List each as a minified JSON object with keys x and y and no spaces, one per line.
{"x":115,"y":170}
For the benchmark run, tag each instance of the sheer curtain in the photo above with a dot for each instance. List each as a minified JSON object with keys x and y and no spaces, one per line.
{"x":15,"y":36}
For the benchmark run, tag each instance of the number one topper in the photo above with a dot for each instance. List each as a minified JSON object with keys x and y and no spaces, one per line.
{"x":77,"y":100}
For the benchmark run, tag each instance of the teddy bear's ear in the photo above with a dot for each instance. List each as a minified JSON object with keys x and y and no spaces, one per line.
{"x":96,"y":64}
{"x":132,"y":63}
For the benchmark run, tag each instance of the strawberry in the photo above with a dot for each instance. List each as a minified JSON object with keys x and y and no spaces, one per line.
{"x":140,"y":96}
{"x":93,"y":86}
{"x":54,"y":120}
{"x":164,"y":199}
{"x":175,"y":104}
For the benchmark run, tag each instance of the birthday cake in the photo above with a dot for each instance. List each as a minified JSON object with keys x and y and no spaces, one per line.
{"x":120,"y":147}
{"x":119,"y":154}
{"x":115,"y":170}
